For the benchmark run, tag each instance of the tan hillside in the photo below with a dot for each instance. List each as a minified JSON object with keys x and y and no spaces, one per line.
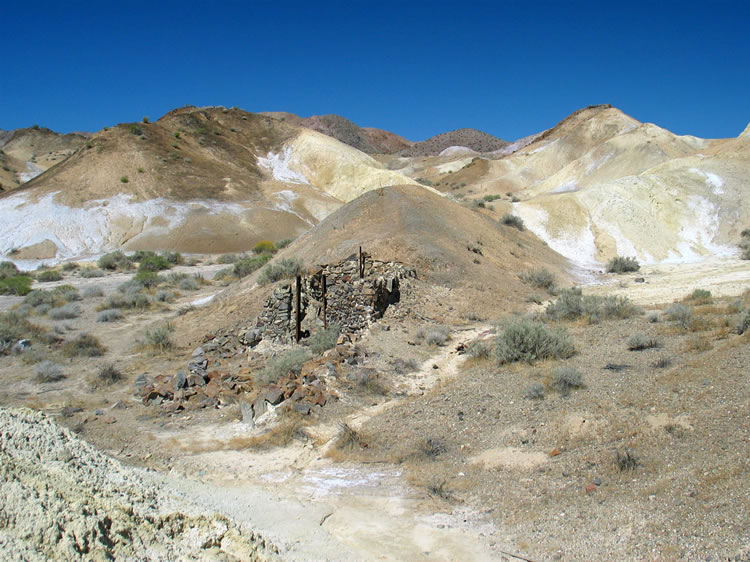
{"x":196,"y":180}
{"x":26,"y":153}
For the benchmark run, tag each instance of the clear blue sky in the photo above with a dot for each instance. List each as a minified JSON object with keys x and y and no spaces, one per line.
{"x":415,"y":68}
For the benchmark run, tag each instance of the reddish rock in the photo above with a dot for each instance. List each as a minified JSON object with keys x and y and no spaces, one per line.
{"x":590,"y":488}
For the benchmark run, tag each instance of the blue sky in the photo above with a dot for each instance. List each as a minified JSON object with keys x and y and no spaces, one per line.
{"x":415,"y":68}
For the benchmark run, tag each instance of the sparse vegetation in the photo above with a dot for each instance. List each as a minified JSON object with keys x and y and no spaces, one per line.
{"x":478,"y":350}
{"x":47,"y":371}
{"x":662,"y":363}
{"x":573,"y":304}
{"x":288,"y":362}
{"x":323,"y":340}
{"x":48,"y":276}
{"x":681,"y":314}
{"x":264,"y":247}
{"x":509,"y":219}
{"x":84,"y":345}
{"x":91,"y":272}
{"x":626,"y":461}
{"x":246,"y":266}
{"x":14,"y":326}
{"x":65,"y":312}
{"x":189,"y":284}
{"x":153,"y":263}
{"x":744,"y":324}
{"x":640,"y":341}
{"x":490,"y":198}
{"x":700,"y":296}
{"x":109,"y":374}
{"x":566,"y":379}
{"x":115,"y":261}
{"x":124,"y":179}
{"x":620,"y":264}
{"x":109,"y":315}
{"x":347,"y":439}
{"x":158,"y":338}
{"x":437,"y":335}
{"x":540,"y":278}
{"x":227,"y":258}
{"x":283,"y":269}
{"x":530,"y":340}
{"x":534,"y":391}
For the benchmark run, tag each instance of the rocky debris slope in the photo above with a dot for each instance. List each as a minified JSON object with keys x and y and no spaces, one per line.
{"x":64,"y":500}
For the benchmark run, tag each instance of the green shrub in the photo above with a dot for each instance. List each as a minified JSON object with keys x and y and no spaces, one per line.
{"x":147,"y":279}
{"x":189,"y":284}
{"x":281,"y":244}
{"x":323,"y":340}
{"x":8,"y":269}
{"x":512,"y":220}
{"x":540,"y":278}
{"x":700,"y":296}
{"x":124,"y":179}
{"x":620,"y":264}
{"x":530,"y":340}
{"x":572,"y":304}
{"x":65,"y":312}
{"x":640,"y":341}
{"x":115,"y":261}
{"x":70,"y":266}
{"x":264,"y":247}
{"x":565,"y":379}
{"x":224,"y":273}
{"x":91,"y":272}
{"x":109,"y":315}
{"x":491,"y":198}
{"x":246,"y":266}
{"x":227,"y":258}
{"x":288,"y":362}
{"x":158,"y":338}
{"x":283,"y":269}
{"x":478,"y":350}
{"x":127,"y":301}
{"x":17,"y":285}
{"x":164,"y":296}
{"x":14,"y":327}
{"x":681,"y":314}
{"x":49,"y":275}
{"x":437,"y":335}
{"x":84,"y":345}
{"x":174,"y":258}
{"x":153,"y":263}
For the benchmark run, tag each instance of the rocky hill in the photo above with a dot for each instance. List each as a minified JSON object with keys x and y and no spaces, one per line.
{"x":477,"y":141}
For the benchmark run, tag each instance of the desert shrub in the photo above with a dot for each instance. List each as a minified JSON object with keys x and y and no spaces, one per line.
{"x":534,"y":391}
{"x":84,"y":345}
{"x":114,"y":261}
{"x":227,"y":258}
{"x":246,"y":266}
{"x":124,"y":179}
{"x":478,"y":350}
{"x":662,"y":363}
{"x":69,"y":266}
{"x":509,"y":219}
{"x":148,"y":279}
{"x":620,"y":264}
{"x":14,"y":326}
{"x":530,"y":340}
{"x":681,"y":314}
{"x":225,"y":273}
{"x":283,"y":269}
{"x":653,"y":317}
{"x":263,"y":247}
{"x":91,"y":272}
{"x":127,"y":301}
{"x":93,"y":291}
{"x":626,"y":461}
{"x":39,"y":297}
{"x":189,"y":284}
{"x":698,"y":343}
{"x":65,"y":312}
{"x":640,"y":341}
{"x":175,"y":278}
{"x":8,"y":269}
{"x":347,"y":439}
{"x":744,"y":324}
{"x":153,"y":263}
{"x":109,"y":315}
{"x":491,"y":198}
{"x":47,"y":371}
{"x":49,"y":275}
{"x":478,"y":203}
{"x":109,"y":374}
{"x":437,"y":335}
{"x":67,"y":293}
{"x":573,"y":304}
{"x":174,"y":258}
{"x":540,"y":278}
{"x":164,"y":296}
{"x":158,"y":338}
{"x":323,"y":340}
{"x":281,"y":244}
{"x":16,"y":285}
{"x":700,"y":296}
{"x":288,"y":362}
{"x":565,"y":379}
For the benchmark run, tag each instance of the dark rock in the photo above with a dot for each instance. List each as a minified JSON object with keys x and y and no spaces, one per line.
{"x":274,"y":395}
{"x":195,"y":379}
{"x":180,"y":380}
{"x":639,"y":280}
{"x":141,"y":380}
{"x":260,"y":406}
{"x":303,"y":408}
{"x":68,"y":411}
{"x":598,"y":481}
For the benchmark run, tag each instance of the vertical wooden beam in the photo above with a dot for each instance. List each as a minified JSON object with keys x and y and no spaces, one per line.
{"x":298,"y":311}
{"x":361,"y":264}
{"x":325,"y":304}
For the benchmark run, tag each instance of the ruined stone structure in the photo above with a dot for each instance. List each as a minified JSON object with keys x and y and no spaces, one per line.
{"x":350,"y":301}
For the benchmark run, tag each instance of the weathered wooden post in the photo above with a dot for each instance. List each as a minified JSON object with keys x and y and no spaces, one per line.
{"x":361,"y":264}
{"x":298,"y":312}
{"x":325,"y":304}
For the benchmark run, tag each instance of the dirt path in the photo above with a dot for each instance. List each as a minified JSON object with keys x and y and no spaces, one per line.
{"x":317,"y":509}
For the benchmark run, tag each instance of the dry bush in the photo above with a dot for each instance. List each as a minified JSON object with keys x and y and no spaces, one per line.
{"x":109,"y":374}
{"x":620,"y":264}
{"x":540,"y":278}
{"x":47,"y":371}
{"x":84,"y":345}
{"x":565,"y":379}
{"x":640,"y":341}
{"x":626,"y":461}
{"x":698,"y":344}
{"x":530,"y":340}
